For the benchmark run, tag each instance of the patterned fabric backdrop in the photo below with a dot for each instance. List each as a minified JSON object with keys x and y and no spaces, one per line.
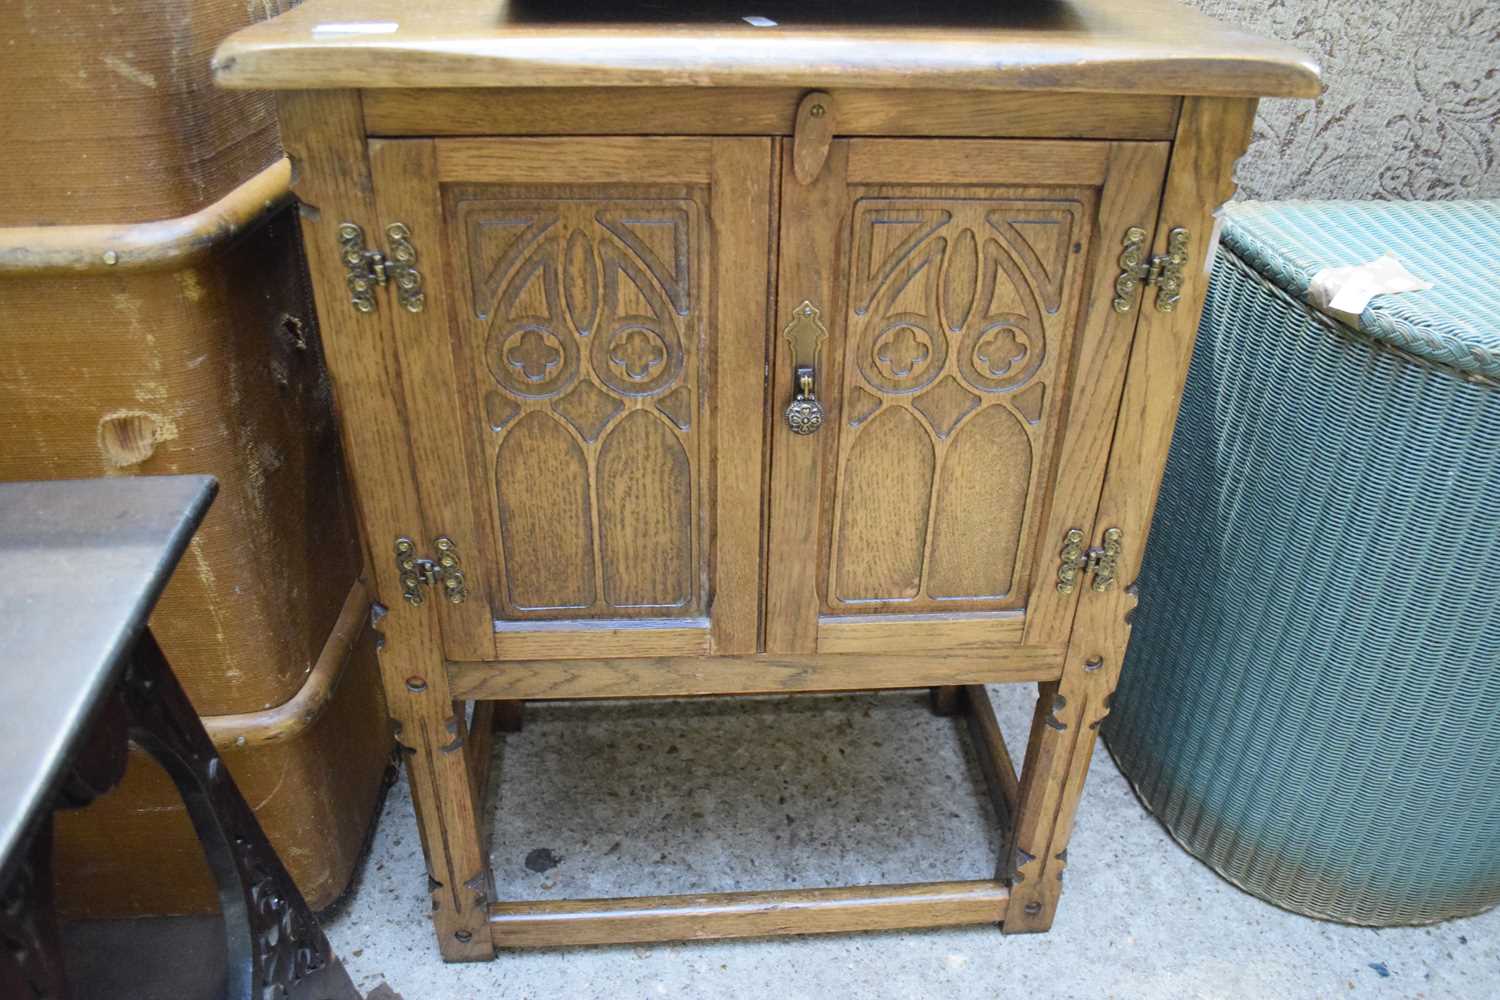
{"x":1412,"y":106}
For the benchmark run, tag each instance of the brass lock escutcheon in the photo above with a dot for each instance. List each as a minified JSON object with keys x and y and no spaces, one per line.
{"x":804,"y":414}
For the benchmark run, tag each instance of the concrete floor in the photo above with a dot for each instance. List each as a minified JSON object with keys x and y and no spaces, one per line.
{"x":649,"y":797}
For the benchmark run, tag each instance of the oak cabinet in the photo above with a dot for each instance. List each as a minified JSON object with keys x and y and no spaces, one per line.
{"x":702,"y":358}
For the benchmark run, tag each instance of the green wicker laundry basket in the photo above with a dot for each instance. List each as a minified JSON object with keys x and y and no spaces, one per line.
{"x":1311,"y":703}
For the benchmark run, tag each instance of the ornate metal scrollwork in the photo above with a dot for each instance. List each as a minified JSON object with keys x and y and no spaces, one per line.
{"x":401,"y":267}
{"x":1074,"y":560}
{"x":362,"y":271}
{"x":417,"y":571}
{"x":1106,"y":560}
{"x":1132,"y":269}
{"x":365,"y":269}
{"x":1169,"y":283}
{"x":411,"y":570}
{"x":1071,"y":561}
{"x":1165,"y":271}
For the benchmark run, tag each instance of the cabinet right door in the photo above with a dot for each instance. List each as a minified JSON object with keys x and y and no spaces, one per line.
{"x":950,"y":305}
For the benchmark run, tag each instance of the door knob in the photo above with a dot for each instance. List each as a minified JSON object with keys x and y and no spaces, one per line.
{"x":804,"y":414}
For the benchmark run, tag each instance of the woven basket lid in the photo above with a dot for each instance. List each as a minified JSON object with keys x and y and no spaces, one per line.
{"x":1455,"y":245}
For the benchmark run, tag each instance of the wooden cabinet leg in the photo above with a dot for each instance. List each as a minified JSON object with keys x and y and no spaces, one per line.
{"x":509,"y":716}
{"x":376,"y":380}
{"x":431,"y":733}
{"x":946,"y":699}
{"x":1212,"y":133}
{"x":1064,"y":729}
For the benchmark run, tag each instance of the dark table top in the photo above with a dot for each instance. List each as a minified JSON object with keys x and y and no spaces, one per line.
{"x":82,"y":564}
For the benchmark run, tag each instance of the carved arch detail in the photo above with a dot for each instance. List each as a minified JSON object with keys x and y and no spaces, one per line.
{"x":953,"y":301}
{"x":588,"y":309}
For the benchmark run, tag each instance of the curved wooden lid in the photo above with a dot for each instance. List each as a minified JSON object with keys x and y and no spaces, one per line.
{"x":1106,"y":46}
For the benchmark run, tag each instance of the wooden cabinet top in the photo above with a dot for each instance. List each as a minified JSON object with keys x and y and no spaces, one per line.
{"x":1105,"y":46}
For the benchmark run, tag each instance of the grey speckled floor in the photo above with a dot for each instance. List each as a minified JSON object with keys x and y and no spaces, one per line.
{"x":704,"y":795}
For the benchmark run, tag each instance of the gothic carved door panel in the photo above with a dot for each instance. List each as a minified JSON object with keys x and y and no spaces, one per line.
{"x":954,"y":294}
{"x":596,"y":312}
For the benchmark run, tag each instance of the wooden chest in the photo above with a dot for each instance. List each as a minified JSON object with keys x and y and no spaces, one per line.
{"x":157,"y":319}
{"x":684,"y":355}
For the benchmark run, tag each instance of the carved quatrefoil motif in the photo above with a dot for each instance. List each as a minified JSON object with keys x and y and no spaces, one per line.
{"x":638,"y":352}
{"x":901,"y":352}
{"x":997,"y":353}
{"x":533,"y":356}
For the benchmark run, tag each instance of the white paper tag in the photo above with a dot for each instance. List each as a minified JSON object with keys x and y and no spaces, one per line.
{"x":1347,"y":290}
{"x":355,"y":28}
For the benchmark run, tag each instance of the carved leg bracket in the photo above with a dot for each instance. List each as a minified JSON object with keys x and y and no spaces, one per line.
{"x":1063,"y":733}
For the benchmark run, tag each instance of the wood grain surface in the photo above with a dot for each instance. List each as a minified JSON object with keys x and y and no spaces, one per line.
{"x":670,"y":676}
{"x":550,"y":923}
{"x":1115,"y":46}
{"x":765,"y":111}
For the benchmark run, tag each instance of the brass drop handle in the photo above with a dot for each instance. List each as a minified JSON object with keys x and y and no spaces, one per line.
{"x":804,"y":414}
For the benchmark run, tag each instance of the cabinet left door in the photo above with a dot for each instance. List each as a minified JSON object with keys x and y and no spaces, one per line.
{"x":585,"y":376}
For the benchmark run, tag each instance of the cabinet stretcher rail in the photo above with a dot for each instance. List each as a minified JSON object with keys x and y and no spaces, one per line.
{"x":550,"y":923}
{"x":669,"y":676}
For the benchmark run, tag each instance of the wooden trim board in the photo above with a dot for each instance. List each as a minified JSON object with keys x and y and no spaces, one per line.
{"x":978,"y":161}
{"x":553,"y":923}
{"x":671,"y":676}
{"x":980,"y":633}
{"x":574,"y":639}
{"x":763,"y":112}
{"x":570,"y":922}
{"x":605,"y":160}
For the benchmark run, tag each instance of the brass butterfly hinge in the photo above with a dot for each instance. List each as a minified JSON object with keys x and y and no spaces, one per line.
{"x":1074,"y":560}
{"x":418,"y":571}
{"x":1164,"y":270}
{"x":366,"y":269}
